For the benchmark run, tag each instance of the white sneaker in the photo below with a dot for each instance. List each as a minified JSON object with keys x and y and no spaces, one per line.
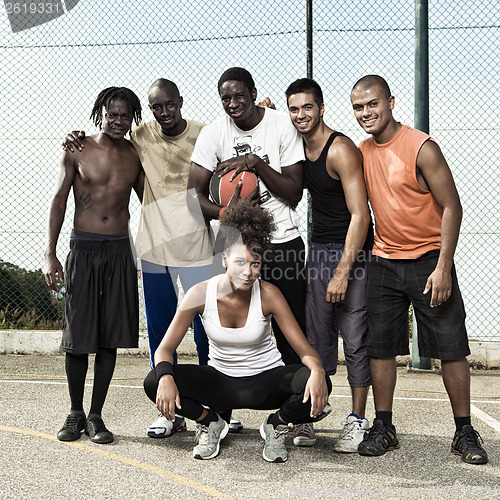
{"x":351,"y":435}
{"x":235,"y":426}
{"x":162,"y":428}
{"x":209,"y":438}
{"x":304,"y":435}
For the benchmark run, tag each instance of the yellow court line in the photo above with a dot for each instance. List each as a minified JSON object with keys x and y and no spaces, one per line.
{"x":128,"y":461}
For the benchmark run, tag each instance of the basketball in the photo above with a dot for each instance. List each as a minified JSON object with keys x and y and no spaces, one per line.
{"x":222,"y":190}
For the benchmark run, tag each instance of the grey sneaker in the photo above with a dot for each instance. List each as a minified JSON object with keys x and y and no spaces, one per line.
{"x":209,"y":438}
{"x":274,"y":449}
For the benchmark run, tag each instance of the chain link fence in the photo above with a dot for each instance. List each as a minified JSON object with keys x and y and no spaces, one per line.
{"x":55,"y":63}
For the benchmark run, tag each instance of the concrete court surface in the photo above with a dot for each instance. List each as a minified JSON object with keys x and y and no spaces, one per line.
{"x":34,"y":464}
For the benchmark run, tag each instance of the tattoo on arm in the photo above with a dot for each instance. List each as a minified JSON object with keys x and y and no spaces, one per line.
{"x":84,"y":203}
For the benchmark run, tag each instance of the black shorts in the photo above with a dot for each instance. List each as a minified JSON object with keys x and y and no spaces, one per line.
{"x":395,"y":283}
{"x":101,"y":305}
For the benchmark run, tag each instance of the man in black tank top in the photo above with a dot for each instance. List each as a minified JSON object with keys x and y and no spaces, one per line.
{"x":337,"y":261}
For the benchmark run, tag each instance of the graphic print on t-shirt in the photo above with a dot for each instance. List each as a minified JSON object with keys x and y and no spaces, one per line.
{"x":243,"y":145}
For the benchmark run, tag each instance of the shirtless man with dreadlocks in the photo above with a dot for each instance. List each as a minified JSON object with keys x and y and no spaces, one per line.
{"x":101,"y":306}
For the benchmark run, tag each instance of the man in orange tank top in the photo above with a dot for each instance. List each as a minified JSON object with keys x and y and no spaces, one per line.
{"x":417,"y":222}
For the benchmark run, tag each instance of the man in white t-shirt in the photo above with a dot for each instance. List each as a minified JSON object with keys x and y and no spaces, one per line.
{"x":264,"y":141}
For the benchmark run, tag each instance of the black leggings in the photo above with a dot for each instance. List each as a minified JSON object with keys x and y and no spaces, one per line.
{"x":76,"y":371}
{"x":282,"y":387}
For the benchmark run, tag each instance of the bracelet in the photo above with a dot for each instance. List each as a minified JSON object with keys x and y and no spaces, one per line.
{"x":221,"y":211}
{"x":164,"y":368}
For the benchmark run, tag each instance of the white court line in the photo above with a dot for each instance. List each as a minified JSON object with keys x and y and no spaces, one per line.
{"x":445,"y":400}
{"x":66,"y":383}
{"x":485,"y":418}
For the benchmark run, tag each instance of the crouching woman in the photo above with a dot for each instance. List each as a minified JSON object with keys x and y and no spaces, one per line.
{"x":245,"y":369}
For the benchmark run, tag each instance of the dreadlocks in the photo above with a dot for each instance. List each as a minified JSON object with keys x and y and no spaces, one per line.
{"x":116,"y":93}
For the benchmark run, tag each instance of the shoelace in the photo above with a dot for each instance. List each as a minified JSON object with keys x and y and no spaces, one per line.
{"x":98,"y":425}
{"x":472,"y":437}
{"x":348,"y":428}
{"x":376,"y":431}
{"x":279,"y":434}
{"x":71,"y":420}
{"x":205,"y":435}
{"x":202,"y":433}
{"x":307,"y":429}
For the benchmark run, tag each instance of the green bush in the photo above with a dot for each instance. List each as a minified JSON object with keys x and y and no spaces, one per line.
{"x":26,"y":301}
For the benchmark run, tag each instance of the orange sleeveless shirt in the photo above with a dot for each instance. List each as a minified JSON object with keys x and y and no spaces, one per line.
{"x":407,"y":217}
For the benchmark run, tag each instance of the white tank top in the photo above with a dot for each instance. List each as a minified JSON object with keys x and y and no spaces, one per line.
{"x":239,"y":352}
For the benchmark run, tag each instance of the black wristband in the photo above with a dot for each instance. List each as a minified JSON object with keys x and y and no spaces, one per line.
{"x":164,"y":368}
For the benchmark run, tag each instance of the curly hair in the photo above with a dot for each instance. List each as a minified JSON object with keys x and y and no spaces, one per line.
{"x":110,"y":93}
{"x":249,"y":224}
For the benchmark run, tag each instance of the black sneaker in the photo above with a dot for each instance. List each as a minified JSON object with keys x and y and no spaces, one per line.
{"x":379,"y":439}
{"x":466,"y":443}
{"x":72,"y":428}
{"x":97,"y":432}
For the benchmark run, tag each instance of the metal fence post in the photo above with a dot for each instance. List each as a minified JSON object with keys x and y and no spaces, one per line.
{"x":309,"y":42}
{"x":421,"y":109}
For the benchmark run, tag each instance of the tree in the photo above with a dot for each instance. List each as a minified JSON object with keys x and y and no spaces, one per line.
{"x":25,"y":299}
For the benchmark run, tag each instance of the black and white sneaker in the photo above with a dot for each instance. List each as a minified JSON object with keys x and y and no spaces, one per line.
{"x":379,"y":439}
{"x":466,"y":443}
{"x":162,"y":428}
{"x":235,"y":426}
